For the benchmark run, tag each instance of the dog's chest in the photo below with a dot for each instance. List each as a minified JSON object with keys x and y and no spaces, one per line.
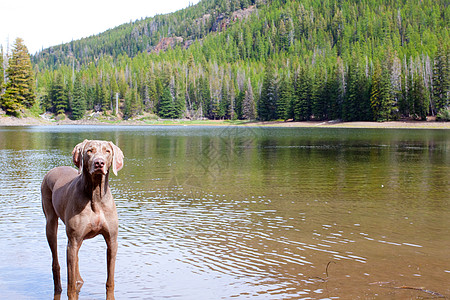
{"x":96,"y":223}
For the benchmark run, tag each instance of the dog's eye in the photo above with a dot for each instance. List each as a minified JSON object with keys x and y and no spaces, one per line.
{"x":108,"y":151}
{"x":89,"y":151}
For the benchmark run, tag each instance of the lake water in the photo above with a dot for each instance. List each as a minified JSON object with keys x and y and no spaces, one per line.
{"x":242,"y":213}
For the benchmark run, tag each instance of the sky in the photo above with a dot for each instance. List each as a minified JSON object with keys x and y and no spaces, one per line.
{"x":45,"y":23}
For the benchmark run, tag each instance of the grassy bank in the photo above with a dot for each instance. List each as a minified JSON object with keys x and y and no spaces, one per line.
{"x":148,"y":121}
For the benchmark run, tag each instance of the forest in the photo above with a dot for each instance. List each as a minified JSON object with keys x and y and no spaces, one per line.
{"x":350,"y":60}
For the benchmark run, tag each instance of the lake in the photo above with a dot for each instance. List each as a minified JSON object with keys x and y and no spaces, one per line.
{"x":241,"y":213}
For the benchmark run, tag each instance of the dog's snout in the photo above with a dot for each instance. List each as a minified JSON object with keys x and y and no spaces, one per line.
{"x":99,"y":163}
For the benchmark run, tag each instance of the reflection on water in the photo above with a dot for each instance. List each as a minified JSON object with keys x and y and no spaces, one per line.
{"x":219,"y":213}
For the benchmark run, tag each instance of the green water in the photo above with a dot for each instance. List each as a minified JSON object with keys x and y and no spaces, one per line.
{"x":245,"y":212}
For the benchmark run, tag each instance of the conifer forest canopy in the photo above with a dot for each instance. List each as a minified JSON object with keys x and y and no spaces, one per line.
{"x":245,"y":59}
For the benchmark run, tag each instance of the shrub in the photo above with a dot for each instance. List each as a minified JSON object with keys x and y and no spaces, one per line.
{"x":443,"y":115}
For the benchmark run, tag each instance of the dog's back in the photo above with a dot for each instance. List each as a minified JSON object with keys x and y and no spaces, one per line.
{"x":55,"y":182}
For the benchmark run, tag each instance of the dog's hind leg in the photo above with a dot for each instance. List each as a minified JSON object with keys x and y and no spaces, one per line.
{"x":51,"y":230}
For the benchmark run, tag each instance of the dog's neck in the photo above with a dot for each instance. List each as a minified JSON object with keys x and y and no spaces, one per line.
{"x":95,"y":185}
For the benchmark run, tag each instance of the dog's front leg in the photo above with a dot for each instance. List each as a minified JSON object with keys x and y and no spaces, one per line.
{"x":111,"y":252}
{"x":73,"y":273}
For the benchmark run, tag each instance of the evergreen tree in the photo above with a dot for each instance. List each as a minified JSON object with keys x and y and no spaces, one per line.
{"x":79,"y":101}
{"x":105,"y":97}
{"x":224,"y":103}
{"x":127,"y":107}
{"x":419,"y":97}
{"x":248,"y":106}
{"x":386,"y":99}
{"x":20,"y":84}
{"x":152,"y":93}
{"x":59,"y":101}
{"x":180,"y":98}
{"x":132,"y":103}
{"x":395,"y":87}
{"x":267,"y":106}
{"x":350,"y":110}
{"x":318,"y":97}
{"x":375,"y":93}
{"x":441,"y":80}
{"x":2,"y":71}
{"x":356,"y":106}
{"x":136,"y":102}
{"x":334,"y":94}
{"x":206,"y":96}
{"x":286,"y":95}
{"x":167,"y":106}
{"x":68,"y":95}
{"x":90,"y":97}
{"x":302,"y":101}
{"x":114,"y":88}
{"x":239,"y":104}
{"x":388,"y":88}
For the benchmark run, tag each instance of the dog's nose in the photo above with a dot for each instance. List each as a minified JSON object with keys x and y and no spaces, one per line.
{"x":99,"y":163}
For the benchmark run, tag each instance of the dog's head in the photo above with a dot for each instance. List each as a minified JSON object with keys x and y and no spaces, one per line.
{"x":96,"y":157}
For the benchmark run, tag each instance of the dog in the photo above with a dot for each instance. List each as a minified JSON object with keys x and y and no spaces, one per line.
{"x":83,"y":201}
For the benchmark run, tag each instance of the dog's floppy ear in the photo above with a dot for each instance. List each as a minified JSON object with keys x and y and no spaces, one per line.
{"x":77,"y":155}
{"x":117,"y":164}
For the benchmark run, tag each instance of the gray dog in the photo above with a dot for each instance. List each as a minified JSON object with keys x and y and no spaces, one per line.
{"x":83,"y":201}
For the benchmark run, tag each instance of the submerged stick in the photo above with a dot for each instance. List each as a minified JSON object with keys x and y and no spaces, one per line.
{"x":420,"y":289}
{"x":326,"y":272}
{"x":328,"y":264}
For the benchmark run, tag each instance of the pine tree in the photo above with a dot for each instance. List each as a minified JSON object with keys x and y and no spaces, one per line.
{"x":386,"y":98}
{"x":79,"y":101}
{"x":318,"y":97}
{"x":441,"y":80}
{"x":356,"y":106}
{"x":267,"y":106}
{"x":166,"y":106}
{"x":419,"y":97}
{"x":135,"y":102}
{"x":59,"y":101}
{"x":152,"y":93}
{"x":2,"y":71}
{"x":206,"y":96}
{"x":248,"y":106}
{"x":302,"y":100}
{"x":127,"y":107}
{"x":178,"y":89}
{"x":350,"y":106}
{"x":114,"y":88}
{"x":334,"y":94}
{"x":388,"y":87}
{"x":20,"y":84}
{"x":68,"y":95}
{"x":395,"y":87}
{"x":375,"y":94}
{"x":224,"y":103}
{"x":284,"y":106}
{"x":105,"y":97}
{"x":239,"y":104}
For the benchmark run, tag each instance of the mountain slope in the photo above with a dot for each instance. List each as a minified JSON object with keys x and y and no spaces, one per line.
{"x":351,"y":60}
{"x":190,"y":24}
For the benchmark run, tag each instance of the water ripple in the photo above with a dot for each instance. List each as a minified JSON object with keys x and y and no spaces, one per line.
{"x":278,"y":218}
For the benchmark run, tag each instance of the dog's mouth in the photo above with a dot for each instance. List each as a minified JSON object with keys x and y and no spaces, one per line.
{"x":98,"y":170}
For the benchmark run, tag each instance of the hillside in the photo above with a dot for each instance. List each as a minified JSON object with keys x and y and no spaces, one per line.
{"x":189,"y":24}
{"x":228,"y":59}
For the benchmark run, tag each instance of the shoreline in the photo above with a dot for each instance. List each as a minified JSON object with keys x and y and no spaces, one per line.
{"x":408,"y":124}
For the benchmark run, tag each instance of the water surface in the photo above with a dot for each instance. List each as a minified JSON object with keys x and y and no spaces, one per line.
{"x":242,"y":212}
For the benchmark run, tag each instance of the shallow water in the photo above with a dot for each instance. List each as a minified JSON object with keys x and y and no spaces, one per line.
{"x":246,"y":213}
